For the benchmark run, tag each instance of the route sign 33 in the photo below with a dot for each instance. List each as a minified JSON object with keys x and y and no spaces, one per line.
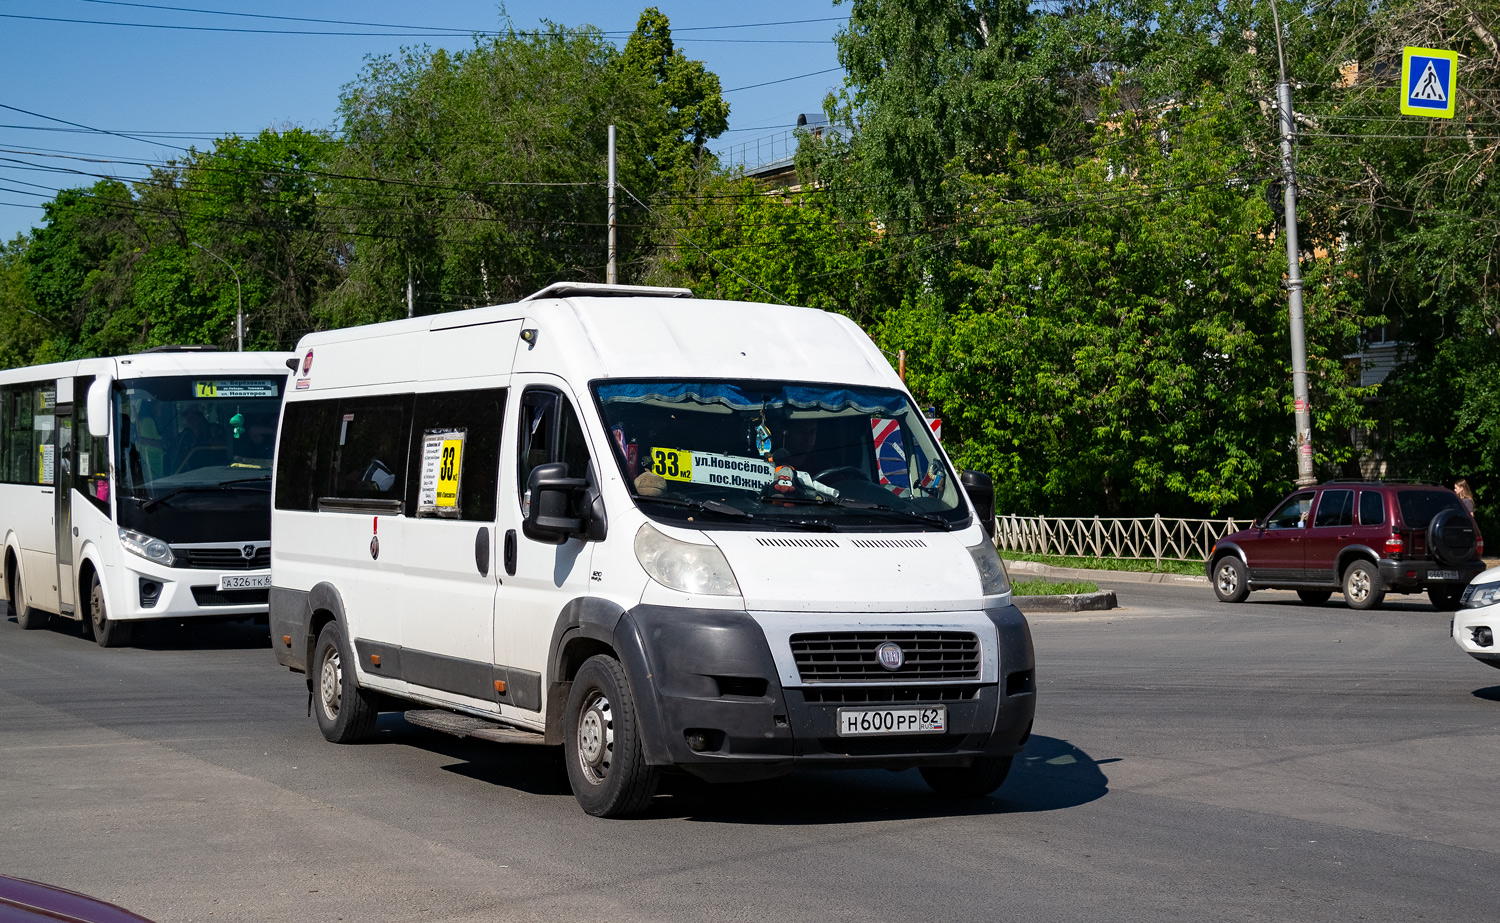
{"x":1428,"y":82}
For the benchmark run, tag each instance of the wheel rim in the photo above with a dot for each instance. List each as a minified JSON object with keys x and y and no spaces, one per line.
{"x":596,"y":737}
{"x":96,"y":606}
{"x":329,"y":685}
{"x":1229,"y":580}
{"x":1359,"y":585}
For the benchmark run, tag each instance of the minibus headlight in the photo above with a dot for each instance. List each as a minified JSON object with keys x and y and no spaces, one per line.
{"x":683,"y":566}
{"x":152,"y":549}
{"x":992,"y":577}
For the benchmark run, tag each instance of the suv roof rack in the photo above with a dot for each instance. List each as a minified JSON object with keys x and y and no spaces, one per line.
{"x":181,"y":348}
{"x":1374,"y":481}
{"x":604,"y":290}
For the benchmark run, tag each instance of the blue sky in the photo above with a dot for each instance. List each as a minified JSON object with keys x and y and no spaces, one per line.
{"x":197,"y":85}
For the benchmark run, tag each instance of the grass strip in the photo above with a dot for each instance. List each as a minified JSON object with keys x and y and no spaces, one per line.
{"x":1128,"y":564}
{"x":1048,"y":588}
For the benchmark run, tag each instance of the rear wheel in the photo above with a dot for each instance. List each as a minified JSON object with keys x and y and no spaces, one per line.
{"x":346,"y":713}
{"x":1446,"y":599}
{"x":28,"y":618}
{"x":1363,"y":588}
{"x":987,"y":774}
{"x":1315,"y":597}
{"x":606,"y":762}
{"x":107,"y":631}
{"x":1230,"y":584}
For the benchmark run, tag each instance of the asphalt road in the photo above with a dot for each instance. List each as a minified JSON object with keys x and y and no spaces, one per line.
{"x":1191,"y":761}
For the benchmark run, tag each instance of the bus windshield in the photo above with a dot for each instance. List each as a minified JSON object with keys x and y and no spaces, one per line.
{"x":766,"y":454}
{"x":195,"y":443}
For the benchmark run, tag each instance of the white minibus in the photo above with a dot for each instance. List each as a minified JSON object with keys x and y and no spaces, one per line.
{"x":138,"y":487}
{"x":669,"y":534}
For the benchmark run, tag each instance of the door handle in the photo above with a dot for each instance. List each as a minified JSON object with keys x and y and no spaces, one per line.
{"x":510,"y":552}
{"x":482,"y":551}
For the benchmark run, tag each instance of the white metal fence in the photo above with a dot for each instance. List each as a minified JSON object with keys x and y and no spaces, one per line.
{"x":1154,"y":539}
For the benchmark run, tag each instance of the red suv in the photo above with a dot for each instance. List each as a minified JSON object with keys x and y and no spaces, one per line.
{"x":1366,"y":538}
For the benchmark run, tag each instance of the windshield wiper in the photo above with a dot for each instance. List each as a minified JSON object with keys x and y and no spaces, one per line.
{"x":222,"y":485}
{"x":711,"y":506}
{"x":853,"y":504}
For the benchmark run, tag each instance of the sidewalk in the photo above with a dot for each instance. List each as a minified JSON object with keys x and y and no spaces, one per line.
{"x":1104,"y":577}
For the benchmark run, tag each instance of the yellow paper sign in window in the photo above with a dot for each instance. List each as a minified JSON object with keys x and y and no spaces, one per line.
{"x":450,"y":463}
{"x":672,"y":464}
{"x":205,"y":389}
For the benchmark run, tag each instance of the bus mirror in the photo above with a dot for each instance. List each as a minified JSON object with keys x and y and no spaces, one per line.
{"x":554,"y":496}
{"x":981,"y":491}
{"x":98,"y":406}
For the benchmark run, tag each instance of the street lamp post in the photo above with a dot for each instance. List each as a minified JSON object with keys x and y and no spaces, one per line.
{"x":239,"y":300}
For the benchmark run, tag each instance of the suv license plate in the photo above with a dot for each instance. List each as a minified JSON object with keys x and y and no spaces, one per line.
{"x":1442,"y":575}
{"x":861,"y":722}
{"x":242,"y":582}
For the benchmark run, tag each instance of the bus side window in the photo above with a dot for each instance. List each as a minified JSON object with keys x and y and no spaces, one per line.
{"x":26,"y":433}
{"x":479,"y":415}
{"x":370,"y":454}
{"x":550,"y":431}
{"x":307,"y":435}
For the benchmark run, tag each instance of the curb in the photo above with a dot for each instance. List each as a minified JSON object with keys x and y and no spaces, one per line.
{"x":1035,"y":569}
{"x":1069,"y":602}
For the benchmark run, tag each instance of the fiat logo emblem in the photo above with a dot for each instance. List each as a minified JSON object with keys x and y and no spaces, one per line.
{"x":247,"y":552}
{"x":890,"y":655}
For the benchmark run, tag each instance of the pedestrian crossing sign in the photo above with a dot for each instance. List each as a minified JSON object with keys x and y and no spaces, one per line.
{"x":1427,"y":82}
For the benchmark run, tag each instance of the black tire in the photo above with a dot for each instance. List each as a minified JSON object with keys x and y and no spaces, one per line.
{"x":1315,"y":597}
{"x":1363,"y":588}
{"x":346,"y":713}
{"x":602,"y":743}
{"x":1231,"y":583}
{"x":1451,"y":538}
{"x":1445,"y":598}
{"x":28,"y":618}
{"x":107,"y":631}
{"x":987,"y":774}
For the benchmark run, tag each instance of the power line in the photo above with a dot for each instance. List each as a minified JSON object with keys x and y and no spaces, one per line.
{"x":38,"y":115}
{"x":782,"y":80}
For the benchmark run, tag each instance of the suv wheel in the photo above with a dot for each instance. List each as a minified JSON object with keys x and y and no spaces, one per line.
{"x":1230,"y":584}
{"x":1315,"y":597}
{"x":1446,"y":599}
{"x":1363,"y":588}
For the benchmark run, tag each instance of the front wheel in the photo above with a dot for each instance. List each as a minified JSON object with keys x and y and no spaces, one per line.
{"x":1315,"y":597}
{"x":984,"y":776}
{"x":107,"y":631}
{"x":1230,"y":584}
{"x":1446,"y":599}
{"x":606,"y":762}
{"x":1362,"y":586}
{"x":346,"y":713}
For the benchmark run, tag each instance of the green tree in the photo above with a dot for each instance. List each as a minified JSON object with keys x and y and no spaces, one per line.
{"x":690,"y":109}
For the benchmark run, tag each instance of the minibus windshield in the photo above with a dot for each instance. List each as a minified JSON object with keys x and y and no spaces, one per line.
{"x":766,"y":454}
{"x":190,"y":445}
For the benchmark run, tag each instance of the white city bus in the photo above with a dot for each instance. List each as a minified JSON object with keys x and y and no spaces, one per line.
{"x":138,"y":487}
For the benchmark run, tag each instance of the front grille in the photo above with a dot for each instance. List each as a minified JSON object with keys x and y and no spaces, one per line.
{"x":895,"y":745}
{"x":849,"y":656}
{"x":889,"y":543}
{"x":883,"y":695}
{"x":797,"y":542}
{"x":213,"y":596}
{"x":222,"y":558}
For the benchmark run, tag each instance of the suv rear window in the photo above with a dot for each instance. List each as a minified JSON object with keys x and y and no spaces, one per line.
{"x":1419,"y":506}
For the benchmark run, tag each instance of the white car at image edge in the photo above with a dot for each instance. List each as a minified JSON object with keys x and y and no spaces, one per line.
{"x":1478,"y":618}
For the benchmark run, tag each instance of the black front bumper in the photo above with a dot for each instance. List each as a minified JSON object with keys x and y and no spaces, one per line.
{"x":1415,"y":576}
{"x":708,"y":675}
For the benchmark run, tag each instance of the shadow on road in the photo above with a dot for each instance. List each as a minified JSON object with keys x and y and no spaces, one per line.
{"x":1049,"y":775}
{"x":1488,"y":693}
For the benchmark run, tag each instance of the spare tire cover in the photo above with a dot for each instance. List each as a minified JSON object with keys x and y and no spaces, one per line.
{"x":1450,"y":537}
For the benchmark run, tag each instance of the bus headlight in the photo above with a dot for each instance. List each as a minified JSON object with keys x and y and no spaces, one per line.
{"x":685,"y":567}
{"x":152,"y":549}
{"x":992,"y":578}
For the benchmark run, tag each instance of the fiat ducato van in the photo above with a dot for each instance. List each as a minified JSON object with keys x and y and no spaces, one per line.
{"x":665,"y":533}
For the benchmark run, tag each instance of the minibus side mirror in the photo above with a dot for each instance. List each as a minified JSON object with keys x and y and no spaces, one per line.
{"x":98,"y":406}
{"x":981,"y":491}
{"x":553,"y":493}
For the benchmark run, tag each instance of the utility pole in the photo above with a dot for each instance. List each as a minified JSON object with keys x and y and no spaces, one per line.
{"x":610,"y":274}
{"x":239,"y":300}
{"x":1302,"y":415}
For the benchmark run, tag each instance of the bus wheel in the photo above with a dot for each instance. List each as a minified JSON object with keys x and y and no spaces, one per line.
{"x":984,"y":776}
{"x":602,"y":742}
{"x":107,"y":631}
{"x":346,"y":713}
{"x":28,"y":618}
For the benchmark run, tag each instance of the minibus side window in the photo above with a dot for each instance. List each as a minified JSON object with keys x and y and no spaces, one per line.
{"x":550,"y":431}
{"x":477,"y":416}
{"x":306,"y":426}
{"x":370,"y":451}
{"x":92,"y":479}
